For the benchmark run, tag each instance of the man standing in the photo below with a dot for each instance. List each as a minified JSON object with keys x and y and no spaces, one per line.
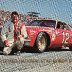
{"x":13,"y":33}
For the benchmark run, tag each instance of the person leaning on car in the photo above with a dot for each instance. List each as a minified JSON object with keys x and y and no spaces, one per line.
{"x":13,"y":33}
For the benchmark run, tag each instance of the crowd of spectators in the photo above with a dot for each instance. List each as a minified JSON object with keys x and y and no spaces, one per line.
{"x":4,"y":15}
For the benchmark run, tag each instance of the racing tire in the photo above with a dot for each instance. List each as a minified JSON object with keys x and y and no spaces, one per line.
{"x":70,"y":48}
{"x":41,"y":42}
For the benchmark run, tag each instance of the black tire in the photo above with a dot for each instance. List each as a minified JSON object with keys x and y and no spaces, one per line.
{"x":41,"y":42}
{"x":70,"y":48}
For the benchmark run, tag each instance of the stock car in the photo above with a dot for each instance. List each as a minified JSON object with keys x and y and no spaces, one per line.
{"x":48,"y":33}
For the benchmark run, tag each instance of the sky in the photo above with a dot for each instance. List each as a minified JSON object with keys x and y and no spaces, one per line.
{"x":55,"y":9}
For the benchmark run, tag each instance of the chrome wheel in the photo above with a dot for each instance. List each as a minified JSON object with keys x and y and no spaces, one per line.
{"x":42,"y":43}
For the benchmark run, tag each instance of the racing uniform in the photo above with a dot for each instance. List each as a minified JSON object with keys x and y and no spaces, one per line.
{"x":13,"y":34}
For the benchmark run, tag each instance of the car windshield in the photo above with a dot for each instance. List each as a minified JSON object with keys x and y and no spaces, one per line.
{"x":43,"y":23}
{"x":35,"y":23}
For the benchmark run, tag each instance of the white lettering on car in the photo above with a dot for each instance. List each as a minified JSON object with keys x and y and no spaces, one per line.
{"x":66,"y":37}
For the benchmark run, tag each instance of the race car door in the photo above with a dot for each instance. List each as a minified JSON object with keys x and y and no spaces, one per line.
{"x":66,"y":35}
{"x":62,"y":34}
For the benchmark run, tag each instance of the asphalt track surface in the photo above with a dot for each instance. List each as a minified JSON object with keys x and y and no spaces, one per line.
{"x":49,"y":61}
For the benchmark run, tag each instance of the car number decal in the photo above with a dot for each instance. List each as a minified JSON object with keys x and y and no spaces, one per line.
{"x":66,"y":37}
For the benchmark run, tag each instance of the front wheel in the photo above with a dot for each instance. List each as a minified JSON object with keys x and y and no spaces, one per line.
{"x":41,"y":42}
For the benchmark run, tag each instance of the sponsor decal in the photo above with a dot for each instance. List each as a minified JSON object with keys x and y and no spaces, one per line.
{"x":32,"y":33}
{"x":53,"y":37}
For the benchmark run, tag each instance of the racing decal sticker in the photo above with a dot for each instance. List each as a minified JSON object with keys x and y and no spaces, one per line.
{"x":32,"y":32}
{"x":53,"y":37}
{"x":66,"y":37}
{"x":50,"y":31}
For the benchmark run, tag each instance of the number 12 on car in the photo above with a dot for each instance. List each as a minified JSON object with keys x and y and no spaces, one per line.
{"x":66,"y":37}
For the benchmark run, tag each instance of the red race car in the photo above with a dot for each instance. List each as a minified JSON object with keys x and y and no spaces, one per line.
{"x":48,"y":33}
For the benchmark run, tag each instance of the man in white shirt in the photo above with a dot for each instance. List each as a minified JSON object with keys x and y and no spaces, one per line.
{"x":13,"y":33}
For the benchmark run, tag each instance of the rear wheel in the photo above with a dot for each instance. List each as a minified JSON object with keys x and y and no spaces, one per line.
{"x":70,"y":48}
{"x":41,"y":42}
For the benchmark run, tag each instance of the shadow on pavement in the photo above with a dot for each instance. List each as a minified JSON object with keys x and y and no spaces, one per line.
{"x":56,"y":50}
{"x":31,"y":50}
